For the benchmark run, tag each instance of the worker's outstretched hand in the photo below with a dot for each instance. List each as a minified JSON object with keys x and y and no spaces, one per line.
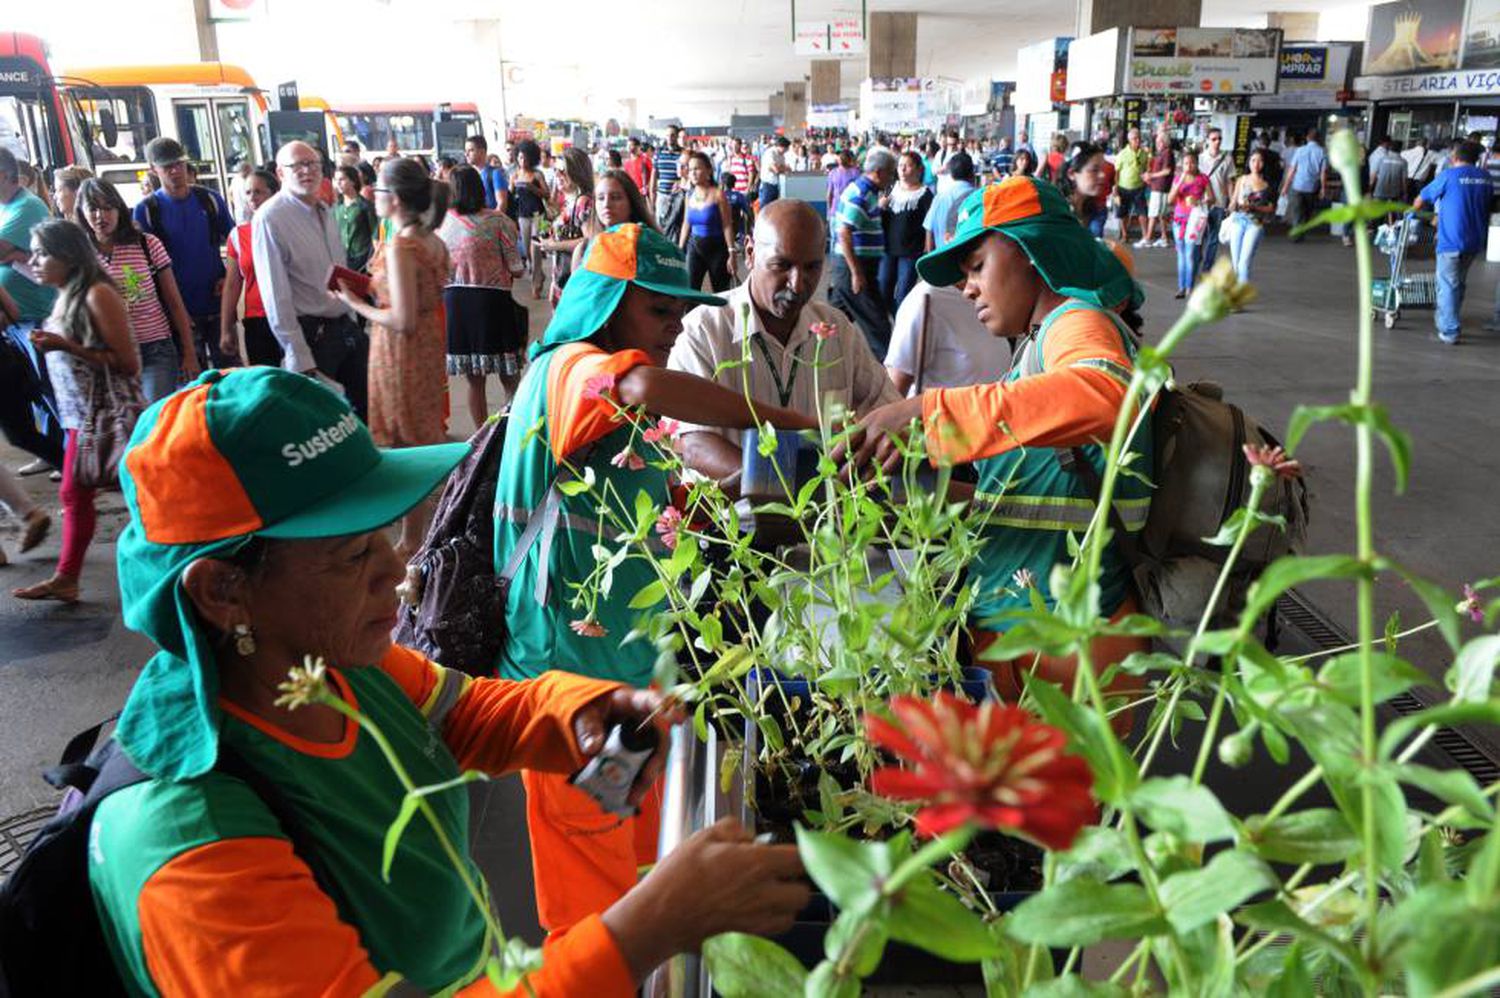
{"x":719,"y":880}
{"x":878,"y":433}
{"x":629,"y":708}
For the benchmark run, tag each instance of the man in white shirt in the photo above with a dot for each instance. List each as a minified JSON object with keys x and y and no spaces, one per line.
{"x":956,"y":351}
{"x":772,"y":166}
{"x":768,"y":324}
{"x":295,"y":243}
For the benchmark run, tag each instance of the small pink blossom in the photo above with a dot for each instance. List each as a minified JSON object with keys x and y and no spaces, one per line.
{"x":588,"y":628}
{"x":1023,"y":579}
{"x":1274,"y":458}
{"x":628,"y":459}
{"x":1470,"y":605}
{"x":598,"y":387}
{"x":824,"y":330}
{"x":665,"y":429}
{"x":667,"y":526}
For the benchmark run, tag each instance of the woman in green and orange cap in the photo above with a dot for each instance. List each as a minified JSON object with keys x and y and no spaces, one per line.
{"x":1033,"y":271}
{"x":606,"y":348}
{"x":259,"y":508}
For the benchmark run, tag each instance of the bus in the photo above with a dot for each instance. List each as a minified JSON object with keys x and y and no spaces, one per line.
{"x":411,"y":125}
{"x":39,"y":123}
{"x":332,"y":130}
{"x":214,"y":109}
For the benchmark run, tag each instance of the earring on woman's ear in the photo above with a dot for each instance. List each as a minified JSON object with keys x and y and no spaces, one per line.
{"x":244,"y":640}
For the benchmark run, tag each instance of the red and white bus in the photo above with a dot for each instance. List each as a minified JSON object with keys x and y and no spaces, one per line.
{"x":39,"y":123}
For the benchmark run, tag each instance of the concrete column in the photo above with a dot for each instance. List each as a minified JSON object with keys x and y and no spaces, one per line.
{"x":1101,"y":15}
{"x":775,"y":104}
{"x":1296,"y":26}
{"x":891,"y":42}
{"x":827,"y":82}
{"x":794,"y":108}
{"x":208,"y":33}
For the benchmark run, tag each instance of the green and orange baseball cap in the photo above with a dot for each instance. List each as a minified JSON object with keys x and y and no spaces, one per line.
{"x":238,"y":454}
{"x":1036,"y":215}
{"x":619,"y":256}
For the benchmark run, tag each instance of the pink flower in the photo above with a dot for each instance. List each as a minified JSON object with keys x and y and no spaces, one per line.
{"x":628,"y":458}
{"x":1274,"y":458}
{"x":598,"y":387}
{"x":991,"y":765}
{"x":1023,"y":579}
{"x":823,"y":330}
{"x":667,"y":526}
{"x":665,"y":429}
{"x":588,"y":628}
{"x":1470,"y":605}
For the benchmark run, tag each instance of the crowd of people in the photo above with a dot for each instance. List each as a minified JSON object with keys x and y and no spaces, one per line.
{"x":286,"y":350}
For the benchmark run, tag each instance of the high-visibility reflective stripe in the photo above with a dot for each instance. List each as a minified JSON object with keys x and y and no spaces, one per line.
{"x":521,"y":516}
{"x":1056,"y":512}
{"x":572,"y":521}
{"x":1114,"y":369}
{"x":445,"y":693}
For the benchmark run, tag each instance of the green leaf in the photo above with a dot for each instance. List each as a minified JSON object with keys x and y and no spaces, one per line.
{"x":847,"y":871}
{"x":1190,"y":811}
{"x":857,"y":940}
{"x":1341,"y":214}
{"x":1342,"y":677}
{"x":825,"y":982}
{"x":1275,"y":916}
{"x":393,"y":833}
{"x":1439,"y":602}
{"x":1082,"y":912}
{"x":1293,"y":981}
{"x":1293,"y":570}
{"x":1446,"y":715}
{"x":1373,"y":416}
{"x":1473,"y":672}
{"x":744,"y":966}
{"x":928,"y":917}
{"x":1451,"y":786}
{"x":1197,"y":897}
{"x":1088,"y":735}
{"x":1447,"y":938}
{"x":650,"y":595}
{"x":1074,"y":986}
{"x":1099,"y":852}
{"x":1317,"y":835}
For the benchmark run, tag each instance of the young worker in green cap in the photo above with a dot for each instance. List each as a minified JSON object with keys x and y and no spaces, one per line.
{"x":605,"y":348}
{"x":1033,"y":271}
{"x":248,"y":859}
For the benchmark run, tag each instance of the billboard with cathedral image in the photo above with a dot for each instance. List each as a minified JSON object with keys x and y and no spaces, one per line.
{"x":1482,"y":35}
{"x":1413,"y":36}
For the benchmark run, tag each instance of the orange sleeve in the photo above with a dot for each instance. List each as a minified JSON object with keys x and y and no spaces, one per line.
{"x":245,"y":916}
{"x":574,"y":421}
{"x":1074,"y":401}
{"x":500,"y":725}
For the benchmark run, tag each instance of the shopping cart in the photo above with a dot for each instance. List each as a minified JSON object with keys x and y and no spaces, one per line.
{"x":1400,"y":290}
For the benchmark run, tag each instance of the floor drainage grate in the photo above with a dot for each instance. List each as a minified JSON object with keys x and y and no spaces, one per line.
{"x":1295,"y":609}
{"x":16,"y":833}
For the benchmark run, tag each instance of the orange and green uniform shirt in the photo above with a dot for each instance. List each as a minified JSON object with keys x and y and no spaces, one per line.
{"x":200,"y":892}
{"x":555,"y":414}
{"x":1064,"y":391}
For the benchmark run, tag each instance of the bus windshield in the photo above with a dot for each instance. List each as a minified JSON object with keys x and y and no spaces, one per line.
{"x":412,"y":130}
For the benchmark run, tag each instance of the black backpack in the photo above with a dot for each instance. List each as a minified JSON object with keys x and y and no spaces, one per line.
{"x":205,"y":200}
{"x":51,"y":941}
{"x":453,"y":610}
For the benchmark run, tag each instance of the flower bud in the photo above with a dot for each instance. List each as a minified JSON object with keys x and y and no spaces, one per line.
{"x":1219,"y":293}
{"x":1344,"y":153}
{"x":1236,"y":750}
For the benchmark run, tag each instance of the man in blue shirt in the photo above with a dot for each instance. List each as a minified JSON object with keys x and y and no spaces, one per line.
{"x":1462,"y":195}
{"x":1306,"y":181}
{"x":496,"y":186}
{"x":942,"y":216}
{"x":854,"y":285}
{"x":193,"y":223}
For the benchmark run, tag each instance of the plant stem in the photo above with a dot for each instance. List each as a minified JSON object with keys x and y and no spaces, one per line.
{"x":1296,"y":790}
{"x":1365,"y":551}
{"x":1478,"y":984}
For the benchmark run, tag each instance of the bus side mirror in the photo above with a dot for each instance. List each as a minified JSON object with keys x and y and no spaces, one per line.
{"x":109,"y":129}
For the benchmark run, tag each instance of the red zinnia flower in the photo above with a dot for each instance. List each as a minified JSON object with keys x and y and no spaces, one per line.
{"x":823,"y":330}
{"x":1470,"y":605}
{"x":588,"y":628}
{"x":667,"y":526}
{"x":629,"y":460}
{"x":993,"y":765}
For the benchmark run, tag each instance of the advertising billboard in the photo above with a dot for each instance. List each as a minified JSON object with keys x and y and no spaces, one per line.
{"x":1094,"y":65}
{"x":1203,"y":62}
{"x":1413,"y":36}
{"x":1311,"y":76}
